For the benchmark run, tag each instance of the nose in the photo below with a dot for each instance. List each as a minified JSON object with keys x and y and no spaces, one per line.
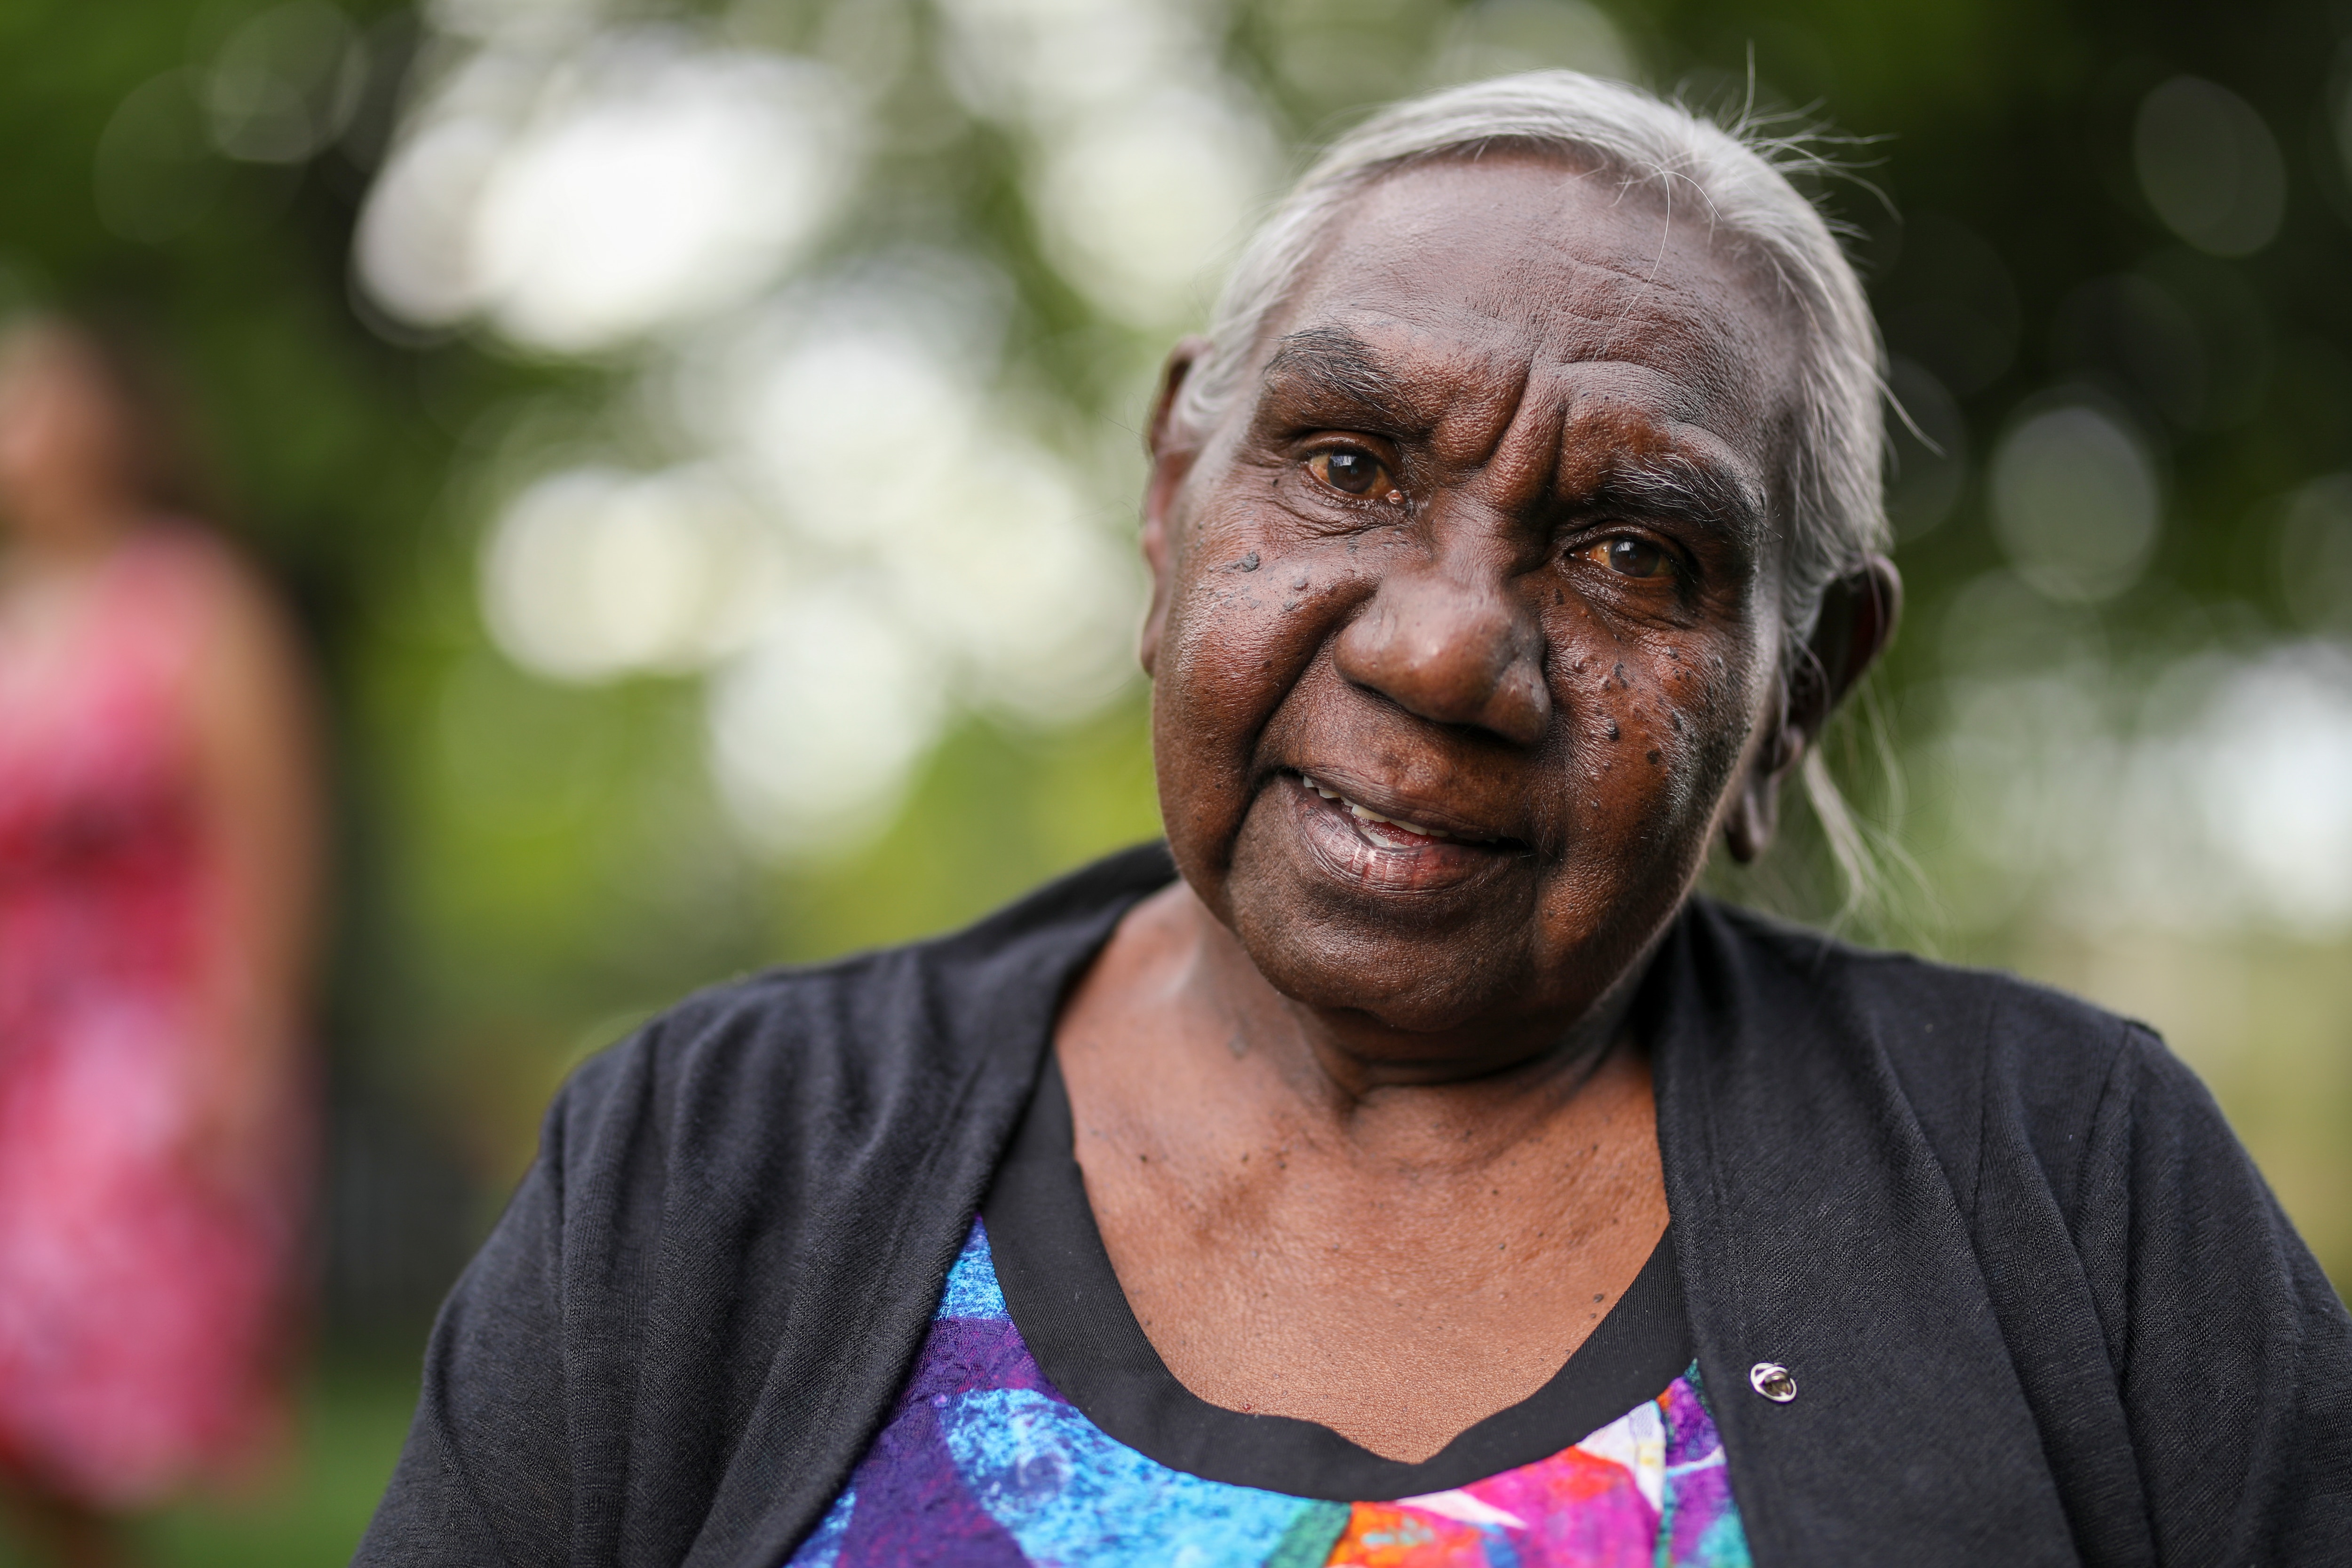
{"x":1445,"y":637}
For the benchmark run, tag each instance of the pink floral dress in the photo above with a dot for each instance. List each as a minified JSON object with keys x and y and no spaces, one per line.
{"x":143,"y":1299}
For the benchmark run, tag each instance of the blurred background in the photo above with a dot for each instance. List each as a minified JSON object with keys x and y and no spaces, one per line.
{"x":700,"y":445}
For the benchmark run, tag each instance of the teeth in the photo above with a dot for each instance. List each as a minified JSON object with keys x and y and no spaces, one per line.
{"x":1361,"y":815}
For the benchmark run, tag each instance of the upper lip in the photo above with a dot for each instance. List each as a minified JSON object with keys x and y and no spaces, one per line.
{"x":1407,"y":812}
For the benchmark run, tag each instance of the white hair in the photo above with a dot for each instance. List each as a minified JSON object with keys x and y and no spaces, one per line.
{"x":1831,"y":471}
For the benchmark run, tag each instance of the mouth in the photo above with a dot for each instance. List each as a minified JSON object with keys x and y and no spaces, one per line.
{"x":1389,"y":831}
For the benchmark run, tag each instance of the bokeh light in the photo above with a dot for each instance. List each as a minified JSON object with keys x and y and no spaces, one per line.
{"x":1137,"y":201}
{"x":646,"y":180}
{"x":591,"y":574}
{"x":286,"y":84}
{"x":2076,"y":502}
{"x":2272,"y":759}
{"x":2209,"y":166}
{"x":813,"y":733}
{"x":2315,"y":554}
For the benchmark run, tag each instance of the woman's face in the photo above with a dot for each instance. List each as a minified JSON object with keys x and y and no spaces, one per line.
{"x":62,"y":449}
{"x":1488,"y":548}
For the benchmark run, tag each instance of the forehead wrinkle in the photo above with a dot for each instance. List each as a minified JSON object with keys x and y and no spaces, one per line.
{"x":1485,"y":404}
{"x":1523,"y":317}
{"x":1695,"y":355}
{"x":1511,"y":435}
{"x":1635,"y":264}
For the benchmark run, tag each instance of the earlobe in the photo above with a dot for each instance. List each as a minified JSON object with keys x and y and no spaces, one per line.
{"x":1755,"y":815}
{"x":1748,"y":831}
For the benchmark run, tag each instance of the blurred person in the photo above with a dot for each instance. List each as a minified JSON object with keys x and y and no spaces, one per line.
{"x":158,"y":863}
{"x":1401,"y":1164}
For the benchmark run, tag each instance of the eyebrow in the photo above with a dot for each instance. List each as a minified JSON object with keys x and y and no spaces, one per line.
{"x":1673,"y":484}
{"x":1335,"y":361}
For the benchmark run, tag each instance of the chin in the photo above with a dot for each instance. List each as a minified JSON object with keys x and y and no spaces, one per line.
{"x":1427,"y":968}
{"x":1350,"y":980}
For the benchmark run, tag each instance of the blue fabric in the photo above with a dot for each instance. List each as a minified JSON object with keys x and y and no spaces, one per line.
{"x":985,"y":1462}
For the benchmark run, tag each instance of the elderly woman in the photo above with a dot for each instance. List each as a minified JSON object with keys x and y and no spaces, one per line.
{"x":1401,"y":1165}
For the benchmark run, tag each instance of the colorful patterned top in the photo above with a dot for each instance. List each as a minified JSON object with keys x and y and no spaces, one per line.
{"x":985,"y":1461}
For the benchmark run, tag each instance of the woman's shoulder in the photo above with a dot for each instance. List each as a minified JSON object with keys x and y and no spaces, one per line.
{"x":1975,"y":1053}
{"x":185,"y":583}
{"x":833,"y":1049}
{"x":1917,"y":1003}
{"x":180,"y":555}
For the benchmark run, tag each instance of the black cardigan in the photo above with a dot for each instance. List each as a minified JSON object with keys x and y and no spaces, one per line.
{"x":2038,"y":1306}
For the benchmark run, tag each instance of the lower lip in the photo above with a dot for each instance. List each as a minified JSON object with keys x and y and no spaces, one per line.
{"x":1380,"y":856}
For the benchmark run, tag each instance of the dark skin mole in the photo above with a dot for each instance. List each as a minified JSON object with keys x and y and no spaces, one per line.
{"x":1520,"y":430}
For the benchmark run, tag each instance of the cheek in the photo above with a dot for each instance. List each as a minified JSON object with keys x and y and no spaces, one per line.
{"x":1702,"y":715}
{"x":1660,"y":731}
{"x":1219,"y":650}
{"x":1239,"y":632}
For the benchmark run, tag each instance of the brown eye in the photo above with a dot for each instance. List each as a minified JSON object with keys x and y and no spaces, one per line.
{"x":1629,"y":557}
{"x":1350,"y":473}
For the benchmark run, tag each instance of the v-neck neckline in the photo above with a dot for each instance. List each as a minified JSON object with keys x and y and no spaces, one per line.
{"x":1066,"y":1300}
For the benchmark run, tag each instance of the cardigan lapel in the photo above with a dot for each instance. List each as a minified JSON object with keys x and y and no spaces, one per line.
{"x":970,"y":1018}
{"x":1818,"y":1231}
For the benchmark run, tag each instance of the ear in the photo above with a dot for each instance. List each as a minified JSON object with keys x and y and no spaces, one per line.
{"x":1172,"y":451}
{"x":1856,"y":621}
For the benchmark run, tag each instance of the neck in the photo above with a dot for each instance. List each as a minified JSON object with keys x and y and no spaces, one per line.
{"x":1486,"y":1080}
{"x":62,"y":537}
